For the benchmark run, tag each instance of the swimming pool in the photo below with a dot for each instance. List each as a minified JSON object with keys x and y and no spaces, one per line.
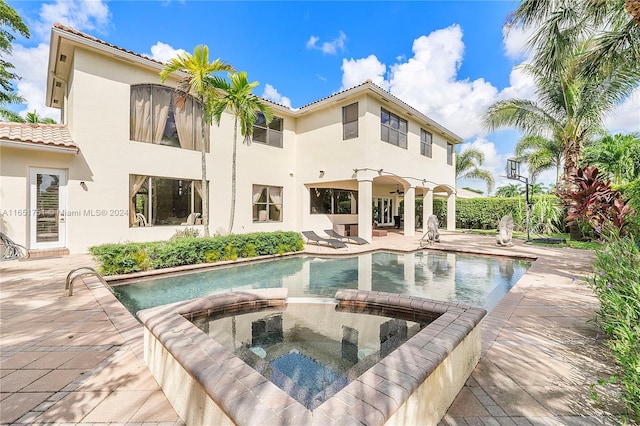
{"x":479,"y":281}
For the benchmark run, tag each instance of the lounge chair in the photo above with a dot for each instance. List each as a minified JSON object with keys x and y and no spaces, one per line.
{"x":346,"y":238}
{"x":312,"y":237}
{"x":141,"y":220}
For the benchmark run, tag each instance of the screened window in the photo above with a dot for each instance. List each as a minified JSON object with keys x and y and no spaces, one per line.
{"x":426,"y":143}
{"x":393,"y":129}
{"x":164,"y":201}
{"x":267,"y":203}
{"x":268,"y":134}
{"x":350,"y":121}
{"x":333,"y":201}
{"x":450,"y":154}
{"x":159,"y":116}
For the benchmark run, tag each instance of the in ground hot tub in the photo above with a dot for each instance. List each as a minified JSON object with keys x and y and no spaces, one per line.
{"x":259,"y":358}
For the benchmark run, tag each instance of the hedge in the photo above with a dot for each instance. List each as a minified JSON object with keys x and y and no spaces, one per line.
{"x":135,"y":257}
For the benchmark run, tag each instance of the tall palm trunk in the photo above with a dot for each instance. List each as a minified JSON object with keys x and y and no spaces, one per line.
{"x":232,"y":215}
{"x":205,"y":187}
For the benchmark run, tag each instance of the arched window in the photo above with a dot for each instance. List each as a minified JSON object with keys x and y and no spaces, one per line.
{"x":159,"y":116}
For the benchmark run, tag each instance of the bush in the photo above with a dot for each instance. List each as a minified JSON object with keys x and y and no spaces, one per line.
{"x":616,"y":283}
{"x":186,"y":233}
{"x":136,"y":257}
{"x":547,"y":214}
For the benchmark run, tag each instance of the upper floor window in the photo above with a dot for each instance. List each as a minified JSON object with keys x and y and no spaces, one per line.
{"x":333,"y":201}
{"x":268,"y":134}
{"x":426,"y":143}
{"x":350,"y":121}
{"x":450,"y":154}
{"x":393,"y":129}
{"x":267,"y":203}
{"x":158,"y":116}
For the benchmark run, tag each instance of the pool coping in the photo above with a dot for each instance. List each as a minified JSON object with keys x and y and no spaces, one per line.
{"x":240,"y":395}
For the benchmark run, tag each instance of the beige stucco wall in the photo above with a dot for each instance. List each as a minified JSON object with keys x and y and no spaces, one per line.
{"x":97,"y":111}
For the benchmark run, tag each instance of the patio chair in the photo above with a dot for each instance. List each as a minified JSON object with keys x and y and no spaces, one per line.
{"x":191,"y":219}
{"x":346,"y":238}
{"x":9,"y":249}
{"x":312,"y":237}
{"x":141,"y":220}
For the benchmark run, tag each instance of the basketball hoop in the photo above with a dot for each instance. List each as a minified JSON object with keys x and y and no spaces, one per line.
{"x":513,"y":169}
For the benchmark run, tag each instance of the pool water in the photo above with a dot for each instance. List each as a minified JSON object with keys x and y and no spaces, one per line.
{"x":479,"y":281}
{"x":308,"y":358}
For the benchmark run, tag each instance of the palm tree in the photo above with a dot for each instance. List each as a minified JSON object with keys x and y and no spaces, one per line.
{"x":578,"y":80}
{"x":10,"y":98}
{"x":237,"y":98}
{"x":468,"y":164}
{"x":540,"y":154}
{"x":617,"y":157}
{"x":510,"y":190}
{"x":197,"y":75}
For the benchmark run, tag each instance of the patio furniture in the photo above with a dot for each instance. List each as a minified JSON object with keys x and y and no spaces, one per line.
{"x":191,"y":219}
{"x":312,"y":237}
{"x":141,"y":220}
{"x":346,"y":238}
{"x":9,"y":249}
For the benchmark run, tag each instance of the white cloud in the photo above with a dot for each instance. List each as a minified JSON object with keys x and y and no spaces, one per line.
{"x":32,"y":64}
{"x":272,"y":94}
{"x":328,"y":47}
{"x":515,"y":42}
{"x":163,"y":52}
{"x":83,"y":15}
{"x":356,"y":71}
{"x":626,"y":118}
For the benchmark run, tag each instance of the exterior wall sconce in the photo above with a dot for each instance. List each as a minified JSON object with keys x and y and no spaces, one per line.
{"x":321,"y":173}
{"x":83,"y":185}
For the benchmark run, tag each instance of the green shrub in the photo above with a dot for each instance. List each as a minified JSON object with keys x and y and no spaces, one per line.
{"x":616,"y":283}
{"x":135,"y":257}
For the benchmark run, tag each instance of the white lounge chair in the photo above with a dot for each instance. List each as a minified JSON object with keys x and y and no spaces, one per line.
{"x":191,"y":219}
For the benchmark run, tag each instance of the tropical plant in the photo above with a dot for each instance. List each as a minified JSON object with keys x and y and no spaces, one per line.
{"x":198,"y":76}
{"x":540,"y":154}
{"x":237,"y":98}
{"x":510,"y":190}
{"x":33,"y":118}
{"x":574,"y":91}
{"x":617,"y":157}
{"x":10,"y":23}
{"x":592,"y":200}
{"x":468,"y":163}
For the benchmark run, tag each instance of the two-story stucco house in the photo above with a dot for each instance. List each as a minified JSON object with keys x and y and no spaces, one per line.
{"x":125,"y":164}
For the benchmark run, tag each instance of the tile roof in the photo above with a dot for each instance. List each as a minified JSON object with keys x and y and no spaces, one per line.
{"x":97,"y":40}
{"x":48,"y":135}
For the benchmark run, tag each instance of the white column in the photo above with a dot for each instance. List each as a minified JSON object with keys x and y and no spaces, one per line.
{"x":451,"y":212}
{"x":365,"y":215}
{"x":410,"y":211}
{"x":427,"y":206}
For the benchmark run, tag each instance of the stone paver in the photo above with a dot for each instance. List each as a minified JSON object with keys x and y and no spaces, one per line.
{"x":78,"y":360}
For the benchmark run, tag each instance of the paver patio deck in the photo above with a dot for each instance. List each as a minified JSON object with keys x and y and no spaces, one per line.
{"x":78,"y":360}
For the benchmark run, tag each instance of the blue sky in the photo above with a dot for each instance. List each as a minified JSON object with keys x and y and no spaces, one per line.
{"x":449,"y":59}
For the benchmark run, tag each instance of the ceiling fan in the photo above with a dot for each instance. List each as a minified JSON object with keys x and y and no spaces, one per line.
{"x":397,"y":191}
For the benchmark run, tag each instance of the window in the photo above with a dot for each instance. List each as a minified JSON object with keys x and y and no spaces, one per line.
{"x":350,"y":121}
{"x":426,"y":143}
{"x":270,"y":134}
{"x":163,"y":201}
{"x":267,"y":203}
{"x":333,"y":201}
{"x":158,"y":116}
{"x":393,"y":129}
{"x":450,"y":154}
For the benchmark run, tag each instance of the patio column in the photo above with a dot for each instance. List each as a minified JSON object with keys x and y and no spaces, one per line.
{"x":451,"y":212}
{"x":427,"y":205}
{"x":365,"y":214}
{"x":410,"y":211}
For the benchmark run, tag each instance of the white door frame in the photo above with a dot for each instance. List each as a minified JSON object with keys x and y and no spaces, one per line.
{"x":36,"y":215}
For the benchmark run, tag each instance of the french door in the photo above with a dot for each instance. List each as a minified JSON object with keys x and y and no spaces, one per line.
{"x":47,"y":207}
{"x":383,"y":211}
